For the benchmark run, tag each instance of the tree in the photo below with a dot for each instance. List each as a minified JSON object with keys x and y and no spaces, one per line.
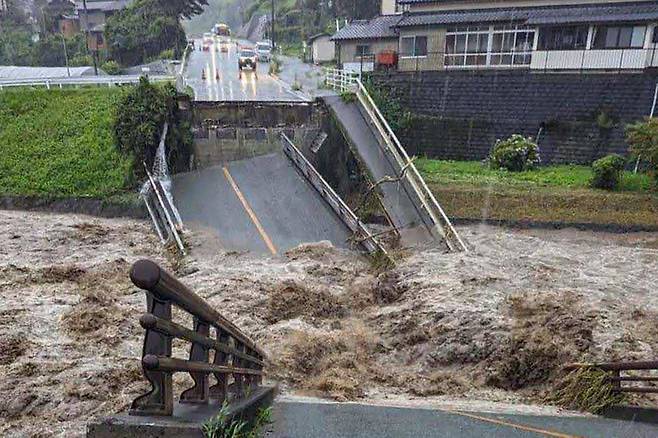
{"x":643,"y":140}
{"x":140,"y":117}
{"x":143,"y":30}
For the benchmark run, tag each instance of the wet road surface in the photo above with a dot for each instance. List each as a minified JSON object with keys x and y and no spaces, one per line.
{"x":350,"y":420}
{"x":223,"y":81}
{"x":262,"y":204}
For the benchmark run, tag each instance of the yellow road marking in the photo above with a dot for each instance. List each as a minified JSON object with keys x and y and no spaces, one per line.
{"x":514,"y":425}
{"x":250,"y":212}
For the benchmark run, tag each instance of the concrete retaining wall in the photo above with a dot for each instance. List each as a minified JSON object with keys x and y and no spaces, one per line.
{"x":229,"y":131}
{"x":460,"y":115}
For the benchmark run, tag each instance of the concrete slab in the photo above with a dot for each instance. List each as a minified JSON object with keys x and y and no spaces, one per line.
{"x":206,"y":198}
{"x":397,"y":201}
{"x":186,"y":420}
{"x":287,"y":207}
{"x":290,"y":209}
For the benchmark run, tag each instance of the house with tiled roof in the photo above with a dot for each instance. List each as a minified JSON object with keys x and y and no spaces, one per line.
{"x":586,"y":35}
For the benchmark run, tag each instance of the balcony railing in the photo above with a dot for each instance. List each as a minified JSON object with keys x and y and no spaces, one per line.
{"x":616,"y":60}
{"x":595,"y":59}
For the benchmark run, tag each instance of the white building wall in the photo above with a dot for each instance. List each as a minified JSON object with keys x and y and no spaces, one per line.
{"x":389,"y":7}
{"x":484,"y":4}
{"x":324,"y":50}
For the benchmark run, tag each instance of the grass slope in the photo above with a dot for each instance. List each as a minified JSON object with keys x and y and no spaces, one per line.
{"x":60,"y":143}
{"x":550,"y":194}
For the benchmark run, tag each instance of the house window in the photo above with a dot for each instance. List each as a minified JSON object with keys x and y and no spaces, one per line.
{"x":489,"y":45}
{"x":362,"y":50}
{"x":467,"y":45}
{"x":619,"y":37}
{"x":563,"y":38}
{"x":413,"y":46}
{"x":512,"y":45}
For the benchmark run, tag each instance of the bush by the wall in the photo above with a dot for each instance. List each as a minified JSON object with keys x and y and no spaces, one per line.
{"x":139,"y":120}
{"x":607,"y":172}
{"x":643,"y":140}
{"x":111,"y":67}
{"x":515,"y":154}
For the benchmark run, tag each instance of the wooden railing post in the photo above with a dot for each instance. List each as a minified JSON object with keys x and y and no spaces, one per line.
{"x":198,"y":353}
{"x":238,"y":378}
{"x":219,"y":390}
{"x":160,"y":399}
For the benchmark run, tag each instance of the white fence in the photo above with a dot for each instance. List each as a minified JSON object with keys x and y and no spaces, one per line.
{"x":89,"y":81}
{"x":341,"y":80}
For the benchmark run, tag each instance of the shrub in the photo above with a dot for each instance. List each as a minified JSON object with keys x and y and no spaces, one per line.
{"x":275,"y":65}
{"x":167,"y":54}
{"x":643,"y":140}
{"x":515,"y":154}
{"x":348,"y":97}
{"x":111,"y":68}
{"x":139,"y":120}
{"x":607,"y":172}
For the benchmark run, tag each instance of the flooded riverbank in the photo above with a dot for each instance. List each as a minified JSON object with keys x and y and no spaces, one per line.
{"x":494,"y":324}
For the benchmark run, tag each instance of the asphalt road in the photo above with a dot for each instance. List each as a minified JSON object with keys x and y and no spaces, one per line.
{"x":262,"y":205}
{"x":397,"y":201}
{"x":319,"y":420}
{"x":223,"y":81}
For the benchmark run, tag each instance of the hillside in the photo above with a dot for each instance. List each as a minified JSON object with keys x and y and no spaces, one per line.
{"x":60,"y":143}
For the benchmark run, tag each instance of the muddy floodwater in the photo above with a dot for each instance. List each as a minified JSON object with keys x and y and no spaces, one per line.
{"x":493,"y":325}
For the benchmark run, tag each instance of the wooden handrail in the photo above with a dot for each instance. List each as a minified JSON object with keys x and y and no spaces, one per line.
{"x":235,"y":356}
{"x":147,"y":275}
{"x":615,"y":369}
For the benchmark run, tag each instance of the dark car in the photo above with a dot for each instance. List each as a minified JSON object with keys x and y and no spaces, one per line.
{"x":247,"y":58}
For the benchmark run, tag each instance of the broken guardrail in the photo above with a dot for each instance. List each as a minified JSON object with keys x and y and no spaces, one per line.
{"x":440,"y":223}
{"x":237,"y":363}
{"x":336,"y":203}
{"x":616,"y":368}
{"x":158,"y":200}
{"x":163,"y":212}
{"x":440,"y":226}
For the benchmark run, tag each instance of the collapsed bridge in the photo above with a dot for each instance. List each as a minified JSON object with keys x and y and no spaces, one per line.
{"x":268,"y":176}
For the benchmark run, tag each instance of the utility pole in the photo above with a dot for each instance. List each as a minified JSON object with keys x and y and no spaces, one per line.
{"x":272,"y":36}
{"x":93,"y":55}
{"x":66,"y":55}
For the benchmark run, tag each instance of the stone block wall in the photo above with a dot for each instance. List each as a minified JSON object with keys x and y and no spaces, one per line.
{"x":578,"y":117}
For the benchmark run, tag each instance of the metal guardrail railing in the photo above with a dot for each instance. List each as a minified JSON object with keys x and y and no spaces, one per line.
{"x":440,"y":222}
{"x":98,"y":81}
{"x":163,"y":212}
{"x":616,"y":368}
{"x":440,"y":226}
{"x":336,"y":203}
{"x":237,"y":364}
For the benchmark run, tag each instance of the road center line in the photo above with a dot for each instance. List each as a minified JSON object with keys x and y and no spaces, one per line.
{"x":510,"y":424}
{"x":250,"y":212}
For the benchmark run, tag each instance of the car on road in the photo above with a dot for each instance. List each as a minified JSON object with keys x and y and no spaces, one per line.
{"x":264,"y":51}
{"x":247,"y":58}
